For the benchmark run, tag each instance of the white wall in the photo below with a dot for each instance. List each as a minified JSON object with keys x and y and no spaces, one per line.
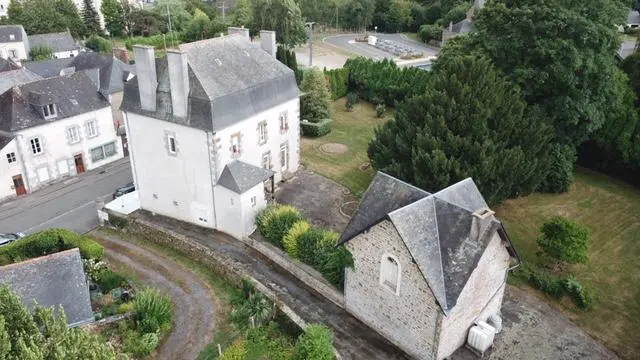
{"x":229,"y":212}
{"x":250,"y":210}
{"x":65,"y":54}
{"x":18,"y":46}
{"x":251,"y":151}
{"x":4,"y":4}
{"x":184,"y":177}
{"x":56,"y":148}
{"x":8,"y":171}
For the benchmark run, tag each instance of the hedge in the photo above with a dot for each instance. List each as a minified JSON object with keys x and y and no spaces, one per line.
{"x":290,"y":240}
{"x":558,"y":287}
{"x":49,"y":242}
{"x":338,"y":80}
{"x":275,"y":221}
{"x":321,"y":128}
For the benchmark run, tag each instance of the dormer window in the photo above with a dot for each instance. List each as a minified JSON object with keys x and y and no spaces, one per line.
{"x":50,"y":111}
{"x":12,"y":37}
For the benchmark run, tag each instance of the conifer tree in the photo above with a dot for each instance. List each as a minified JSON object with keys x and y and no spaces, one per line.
{"x":91,"y":18}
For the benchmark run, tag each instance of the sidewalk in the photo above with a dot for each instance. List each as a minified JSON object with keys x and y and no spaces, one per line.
{"x":353,"y":339}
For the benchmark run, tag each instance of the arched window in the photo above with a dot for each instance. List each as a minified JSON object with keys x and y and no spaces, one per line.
{"x":390,"y":273}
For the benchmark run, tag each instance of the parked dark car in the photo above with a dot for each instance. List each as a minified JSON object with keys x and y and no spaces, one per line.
{"x":130,"y":187}
{"x":6,"y":239}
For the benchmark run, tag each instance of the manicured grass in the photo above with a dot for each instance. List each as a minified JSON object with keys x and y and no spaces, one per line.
{"x":354,"y":129}
{"x":611,"y":209}
{"x":414,"y":37}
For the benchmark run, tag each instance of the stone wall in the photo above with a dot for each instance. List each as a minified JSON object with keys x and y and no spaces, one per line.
{"x":481,"y":297}
{"x":410,"y":320}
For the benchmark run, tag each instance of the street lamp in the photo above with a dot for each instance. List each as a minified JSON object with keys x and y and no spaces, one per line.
{"x":310,"y":25}
{"x":375,"y":29}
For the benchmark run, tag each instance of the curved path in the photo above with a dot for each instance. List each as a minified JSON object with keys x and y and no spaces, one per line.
{"x":194,"y":305}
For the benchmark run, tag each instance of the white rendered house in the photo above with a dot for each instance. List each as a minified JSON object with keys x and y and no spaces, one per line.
{"x":14,"y":44}
{"x":52,"y":129}
{"x":209,"y":127}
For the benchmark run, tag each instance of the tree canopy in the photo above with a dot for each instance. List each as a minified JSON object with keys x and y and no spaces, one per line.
{"x":315,"y":104}
{"x":470,"y":122}
{"x":40,"y":52}
{"x":114,"y":16}
{"x":46,"y":16}
{"x":282,"y":16}
{"x":565,"y":240}
{"x":91,"y":18}
{"x":42,"y":335}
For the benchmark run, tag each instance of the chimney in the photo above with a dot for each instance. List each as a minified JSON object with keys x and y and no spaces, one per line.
{"x":481,"y":220}
{"x":179,"y":81}
{"x":121,"y":54}
{"x":239,"y":30}
{"x":268,"y":42}
{"x":147,"y":78}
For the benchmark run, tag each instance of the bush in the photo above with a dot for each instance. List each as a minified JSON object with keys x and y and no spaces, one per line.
{"x":267,"y":342}
{"x":560,"y":175}
{"x":558,"y":287}
{"x":278,"y":222}
{"x":316,"y":247}
{"x":338,"y":82}
{"x":380,"y":109}
{"x":118,"y":221}
{"x":139,"y":345}
{"x":157,"y":41}
{"x":49,"y":242}
{"x":152,"y":311}
{"x":98,"y":44}
{"x":352,"y":100}
{"x":580,"y":295}
{"x":237,"y":351}
{"x":290,"y":240}
{"x":109,"y":280}
{"x":430,"y":32}
{"x":316,"y":343}
{"x":334,"y":262}
{"x":309,"y":244}
{"x":565,"y":240}
{"x":546,"y":283}
{"x":125,"y":308}
{"x":40,"y":52}
{"x":321,"y":128}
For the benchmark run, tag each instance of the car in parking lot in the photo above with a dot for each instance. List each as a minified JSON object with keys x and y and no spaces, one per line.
{"x":130,"y":187}
{"x":8,"y":238}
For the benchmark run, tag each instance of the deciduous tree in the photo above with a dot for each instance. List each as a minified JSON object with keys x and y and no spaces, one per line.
{"x":565,"y":240}
{"x":113,"y":13}
{"x":282,"y":16}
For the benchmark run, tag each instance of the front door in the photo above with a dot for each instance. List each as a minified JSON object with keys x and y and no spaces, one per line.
{"x":18,"y":184}
{"x":79,"y":163}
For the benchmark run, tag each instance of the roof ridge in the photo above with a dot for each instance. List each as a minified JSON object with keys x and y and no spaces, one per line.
{"x":403,"y":182}
{"x":444,"y":285}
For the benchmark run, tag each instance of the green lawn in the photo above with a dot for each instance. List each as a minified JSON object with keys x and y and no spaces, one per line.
{"x":354,"y":129}
{"x":611,"y":209}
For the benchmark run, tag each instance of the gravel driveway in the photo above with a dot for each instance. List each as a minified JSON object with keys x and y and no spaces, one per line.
{"x":194,"y":305}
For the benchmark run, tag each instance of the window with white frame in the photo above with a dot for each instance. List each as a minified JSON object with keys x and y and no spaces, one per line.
{"x":102,"y":152}
{"x":262,"y":132}
{"x":284,"y":156}
{"x":390,"y":273}
{"x":73,"y":134}
{"x":92,"y":128}
{"x":49,"y":111}
{"x":172,"y":144}
{"x":266,"y":160}
{"x":235,"y":144}
{"x":284,"y":121}
{"x":11,"y":157}
{"x":36,"y":146}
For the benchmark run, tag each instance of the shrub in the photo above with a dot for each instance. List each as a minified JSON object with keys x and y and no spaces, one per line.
{"x":109,"y":280}
{"x":118,"y":221}
{"x":264,"y":216}
{"x":40,"y":52}
{"x":237,"y":351}
{"x":338,"y":82}
{"x":267,"y":342}
{"x":334,"y":262}
{"x":139,"y":345}
{"x":290,"y":240}
{"x":380,"y":109}
{"x":98,"y":44}
{"x":565,"y":240}
{"x":280,"y":222}
{"x":309,"y":246}
{"x":546,"y":283}
{"x":49,"y":242}
{"x":125,"y":308}
{"x":430,"y":32}
{"x":152,"y":310}
{"x":352,"y":100}
{"x":579,"y":294}
{"x":321,"y":128}
{"x":316,"y":343}
{"x":157,"y":41}
{"x":93,"y":268}
{"x":560,"y":175}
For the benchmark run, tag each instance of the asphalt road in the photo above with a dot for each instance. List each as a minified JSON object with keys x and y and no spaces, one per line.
{"x":346,"y":42}
{"x":71,"y":204}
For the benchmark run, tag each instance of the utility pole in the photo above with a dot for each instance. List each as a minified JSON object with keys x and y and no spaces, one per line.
{"x":170,"y":29}
{"x":310,"y":24}
{"x":223,"y":7}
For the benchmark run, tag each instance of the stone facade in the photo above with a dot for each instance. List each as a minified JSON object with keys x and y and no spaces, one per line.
{"x":480,"y":298}
{"x":411,"y":320}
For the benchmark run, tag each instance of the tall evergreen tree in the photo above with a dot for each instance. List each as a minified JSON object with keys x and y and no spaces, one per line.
{"x":315,"y":103}
{"x":113,"y":13}
{"x":91,"y":18}
{"x":282,"y":16}
{"x":15,"y":12}
{"x":470,"y":122}
{"x":69,"y":12}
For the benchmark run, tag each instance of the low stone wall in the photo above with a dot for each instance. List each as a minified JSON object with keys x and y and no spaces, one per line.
{"x":303,"y":272}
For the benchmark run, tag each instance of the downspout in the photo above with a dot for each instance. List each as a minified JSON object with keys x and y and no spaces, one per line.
{"x":212,"y":174}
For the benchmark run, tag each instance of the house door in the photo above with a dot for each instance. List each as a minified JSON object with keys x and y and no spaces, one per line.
{"x":79,"y":163}
{"x":18,"y":184}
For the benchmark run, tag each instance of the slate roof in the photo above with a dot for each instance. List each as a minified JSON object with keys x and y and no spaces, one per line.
{"x":229,"y":78}
{"x":113,"y":72}
{"x":16,"y":30}
{"x":435,"y":228}
{"x":239,"y":176}
{"x":12,"y":78}
{"x":47,"y":68}
{"x":626,"y":48}
{"x":4,"y":141}
{"x":61,"y":41}
{"x":73,"y":95}
{"x":52,"y":280}
{"x":462,"y":27}
{"x":8,"y":65}
{"x":633,"y":17}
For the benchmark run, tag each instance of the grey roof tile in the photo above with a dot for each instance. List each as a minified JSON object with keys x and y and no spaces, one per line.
{"x":4,"y":141}
{"x":73,"y":95}
{"x":384,"y":195}
{"x":12,"y":78}
{"x":633,"y":17}
{"x":7,"y":30}
{"x":47,"y":68}
{"x":61,"y":41}
{"x":462,"y":27}
{"x":229,"y":78}
{"x":435,"y":228}
{"x":52,"y":280}
{"x":8,"y":65}
{"x":239,"y":176}
{"x":112,"y":71}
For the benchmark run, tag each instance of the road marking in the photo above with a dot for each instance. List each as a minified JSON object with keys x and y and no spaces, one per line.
{"x":61,"y":215}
